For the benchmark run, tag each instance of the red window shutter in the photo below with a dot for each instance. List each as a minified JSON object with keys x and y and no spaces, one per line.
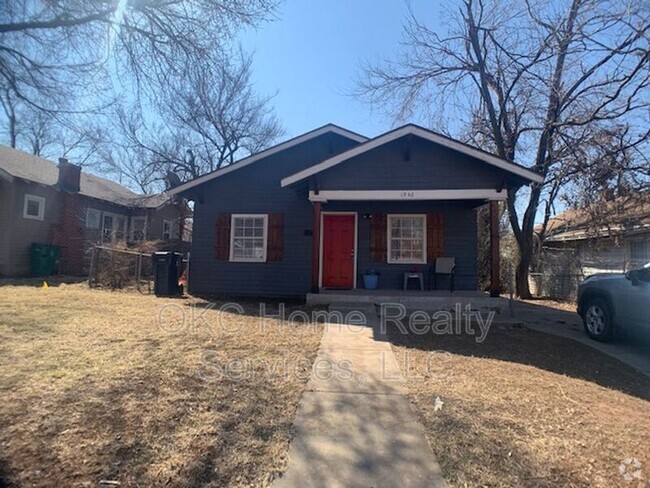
{"x":275,"y":241}
{"x":435,"y":237}
{"x":222,"y":237}
{"x":378,"y":238}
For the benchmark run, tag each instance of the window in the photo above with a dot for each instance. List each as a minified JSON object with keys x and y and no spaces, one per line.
{"x":107,"y":227}
{"x":113,"y":227}
{"x":92,"y":218}
{"x":34,"y":207}
{"x":120,"y":228}
{"x":138,"y":228}
{"x":248,"y":235}
{"x":407,"y":239}
{"x":167,"y":227}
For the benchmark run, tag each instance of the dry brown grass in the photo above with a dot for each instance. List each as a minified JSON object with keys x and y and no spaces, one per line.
{"x":93,"y":389}
{"x":527,"y":409}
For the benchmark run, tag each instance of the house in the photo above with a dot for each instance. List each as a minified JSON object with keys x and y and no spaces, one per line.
{"x":611,"y":236}
{"x":317,"y":211}
{"x":45,"y":203}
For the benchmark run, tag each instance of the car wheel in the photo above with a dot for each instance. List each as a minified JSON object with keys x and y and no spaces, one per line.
{"x":598,"y":320}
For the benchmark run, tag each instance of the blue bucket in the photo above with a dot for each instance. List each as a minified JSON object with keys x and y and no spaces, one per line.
{"x":370,"y":281}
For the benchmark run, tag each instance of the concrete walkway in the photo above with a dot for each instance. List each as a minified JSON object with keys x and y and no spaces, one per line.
{"x":355,"y":425}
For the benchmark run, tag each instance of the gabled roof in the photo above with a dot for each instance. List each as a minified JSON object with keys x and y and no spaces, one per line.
{"x":242,"y":163}
{"x":415,"y":130}
{"x":26,"y":166}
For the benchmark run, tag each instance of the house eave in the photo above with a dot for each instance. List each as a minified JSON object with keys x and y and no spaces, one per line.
{"x":242,"y":163}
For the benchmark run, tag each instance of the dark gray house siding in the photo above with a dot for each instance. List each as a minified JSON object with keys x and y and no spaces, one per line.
{"x":256,"y":189}
{"x":386,"y":168}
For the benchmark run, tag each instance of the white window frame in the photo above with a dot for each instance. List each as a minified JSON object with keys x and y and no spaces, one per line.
{"x":233,"y":217}
{"x":41,"y":207}
{"x":389,"y":220}
{"x":171,"y":229}
{"x":90,"y":210}
{"x":132,"y":228}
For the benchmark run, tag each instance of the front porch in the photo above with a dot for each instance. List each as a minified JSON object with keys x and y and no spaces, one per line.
{"x":353,"y":237}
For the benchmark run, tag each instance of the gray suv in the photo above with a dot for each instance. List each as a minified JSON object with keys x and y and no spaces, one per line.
{"x":608,"y":302}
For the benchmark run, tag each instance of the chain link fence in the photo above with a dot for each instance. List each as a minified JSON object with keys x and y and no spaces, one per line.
{"x":116,"y":268}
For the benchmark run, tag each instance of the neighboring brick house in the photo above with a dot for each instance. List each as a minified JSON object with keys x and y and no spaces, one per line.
{"x":45,"y":203}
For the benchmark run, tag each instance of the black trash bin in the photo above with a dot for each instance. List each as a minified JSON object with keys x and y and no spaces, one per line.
{"x":165,"y":273}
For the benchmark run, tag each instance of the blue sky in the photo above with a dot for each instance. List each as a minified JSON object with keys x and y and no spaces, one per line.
{"x":312,"y":54}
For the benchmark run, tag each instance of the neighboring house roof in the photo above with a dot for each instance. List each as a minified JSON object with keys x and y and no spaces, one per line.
{"x":268,"y":152}
{"x":621,"y":216}
{"x":25,"y":166}
{"x":426,"y":134}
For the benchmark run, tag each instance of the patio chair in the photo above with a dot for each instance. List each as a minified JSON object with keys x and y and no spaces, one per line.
{"x":443,"y":267}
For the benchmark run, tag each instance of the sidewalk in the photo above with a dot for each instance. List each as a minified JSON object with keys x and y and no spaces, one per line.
{"x":355,"y":425}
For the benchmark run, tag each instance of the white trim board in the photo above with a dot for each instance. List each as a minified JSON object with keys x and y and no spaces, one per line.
{"x":242,"y":163}
{"x":419,"y":132}
{"x":406,"y":195}
{"x":320,"y":246}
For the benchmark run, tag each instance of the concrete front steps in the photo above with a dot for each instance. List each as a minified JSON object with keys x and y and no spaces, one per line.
{"x":420,"y":300}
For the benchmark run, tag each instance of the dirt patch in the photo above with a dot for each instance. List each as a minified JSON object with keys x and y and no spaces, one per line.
{"x":527,"y":409}
{"x":119,"y":386}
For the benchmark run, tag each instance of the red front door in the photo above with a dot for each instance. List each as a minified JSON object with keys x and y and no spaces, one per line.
{"x":338,"y":251}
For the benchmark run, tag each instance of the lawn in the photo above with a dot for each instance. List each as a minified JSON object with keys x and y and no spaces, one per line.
{"x":527,"y":409}
{"x":122,"y":387}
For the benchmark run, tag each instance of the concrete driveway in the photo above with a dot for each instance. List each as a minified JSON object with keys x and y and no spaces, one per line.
{"x":632,"y":351}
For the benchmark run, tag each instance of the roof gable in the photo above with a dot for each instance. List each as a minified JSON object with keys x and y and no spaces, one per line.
{"x":425,"y":134}
{"x":253,"y":158}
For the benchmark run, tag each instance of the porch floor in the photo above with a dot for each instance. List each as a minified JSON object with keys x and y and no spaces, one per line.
{"x":424,"y":299}
{"x":405,"y":293}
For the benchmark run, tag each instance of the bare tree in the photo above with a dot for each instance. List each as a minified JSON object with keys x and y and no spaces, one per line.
{"x":208,"y":120}
{"x":224,"y":116}
{"x":530,"y":80}
{"x":71,"y":56}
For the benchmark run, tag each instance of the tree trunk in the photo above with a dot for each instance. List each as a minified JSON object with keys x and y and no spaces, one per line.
{"x":522,"y":272}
